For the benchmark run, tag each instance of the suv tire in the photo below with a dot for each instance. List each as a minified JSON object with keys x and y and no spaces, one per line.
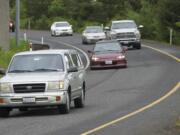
{"x":80,"y":102}
{"x":4,"y":112}
{"x":64,"y":109}
{"x":137,"y":46}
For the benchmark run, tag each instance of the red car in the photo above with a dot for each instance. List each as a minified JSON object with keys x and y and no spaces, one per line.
{"x":108,"y":53}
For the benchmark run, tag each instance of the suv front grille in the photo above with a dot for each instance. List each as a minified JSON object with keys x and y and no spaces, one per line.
{"x":126,"y":35}
{"x":29,"y":88}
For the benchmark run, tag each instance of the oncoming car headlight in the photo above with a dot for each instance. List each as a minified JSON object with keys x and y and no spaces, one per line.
{"x":56,"y":85}
{"x":5,"y":87}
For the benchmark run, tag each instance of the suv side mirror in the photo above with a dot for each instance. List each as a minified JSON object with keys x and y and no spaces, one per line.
{"x":2,"y":71}
{"x":72,"y":69}
{"x":106,"y":28}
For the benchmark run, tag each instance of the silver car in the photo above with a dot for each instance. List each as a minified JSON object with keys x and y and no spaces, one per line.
{"x":92,"y":34}
{"x":43,"y":78}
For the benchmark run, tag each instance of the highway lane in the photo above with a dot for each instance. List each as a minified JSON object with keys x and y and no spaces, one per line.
{"x":110,"y":94}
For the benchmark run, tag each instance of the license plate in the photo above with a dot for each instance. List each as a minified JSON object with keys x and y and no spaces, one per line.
{"x":96,"y":37}
{"x":29,"y":100}
{"x":108,"y":62}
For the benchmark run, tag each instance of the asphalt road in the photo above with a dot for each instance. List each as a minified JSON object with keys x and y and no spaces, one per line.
{"x":111,"y":94}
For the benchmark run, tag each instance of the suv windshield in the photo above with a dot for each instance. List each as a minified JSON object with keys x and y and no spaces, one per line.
{"x":109,"y":46}
{"x":36,"y":63}
{"x":123,"y":25}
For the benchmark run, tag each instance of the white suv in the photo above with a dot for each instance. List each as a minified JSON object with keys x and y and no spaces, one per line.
{"x":126,"y":31}
{"x":43,"y":78}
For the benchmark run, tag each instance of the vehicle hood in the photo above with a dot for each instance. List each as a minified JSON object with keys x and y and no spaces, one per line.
{"x":32,"y":77}
{"x":108,"y":55}
{"x":125,"y":30}
{"x":94,"y":34}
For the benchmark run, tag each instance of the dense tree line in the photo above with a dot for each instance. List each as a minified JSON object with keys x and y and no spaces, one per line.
{"x":157,"y":16}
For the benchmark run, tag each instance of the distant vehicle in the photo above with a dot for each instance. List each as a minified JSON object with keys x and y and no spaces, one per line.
{"x":61,"y":28}
{"x":43,"y":78}
{"x":108,"y":53}
{"x":92,"y":34}
{"x":126,"y":31}
{"x":11,"y":26}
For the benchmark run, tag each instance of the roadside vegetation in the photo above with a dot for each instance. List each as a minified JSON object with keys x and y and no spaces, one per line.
{"x":157,"y":16}
{"x":178,"y":123}
{"x":5,"y":56}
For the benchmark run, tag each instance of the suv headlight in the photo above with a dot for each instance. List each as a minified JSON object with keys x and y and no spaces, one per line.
{"x":56,"y":85}
{"x":5,"y":88}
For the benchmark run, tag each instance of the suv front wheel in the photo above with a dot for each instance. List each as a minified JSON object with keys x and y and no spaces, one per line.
{"x":64,"y":109}
{"x":4,"y":112}
{"x":137,"y":46}
{"x":80,"y":102}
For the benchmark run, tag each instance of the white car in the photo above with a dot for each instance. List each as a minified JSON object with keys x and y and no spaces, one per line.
{"x":92,"y":34}
{"x":61,"y":28}
{"x":127,"y":32}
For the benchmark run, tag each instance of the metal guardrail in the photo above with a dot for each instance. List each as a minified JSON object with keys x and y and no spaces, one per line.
{"x":36,"y":46}
{"x":2,"y":71}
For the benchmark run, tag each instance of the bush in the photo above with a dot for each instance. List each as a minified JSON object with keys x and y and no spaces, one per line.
{"x":5,"y":56}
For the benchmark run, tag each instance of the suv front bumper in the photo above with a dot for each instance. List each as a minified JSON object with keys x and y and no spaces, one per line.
{"x":33,"y":99}
{"x":129,"y":41}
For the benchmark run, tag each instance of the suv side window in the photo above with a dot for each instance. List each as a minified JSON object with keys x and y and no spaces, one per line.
{"x":80,"y":60}
{"x":75,"y":60}
{"x":68,"y":61}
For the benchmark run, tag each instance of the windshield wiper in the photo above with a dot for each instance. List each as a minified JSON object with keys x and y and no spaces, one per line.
{"x":19,"y":71}
{"x":45,"y":69}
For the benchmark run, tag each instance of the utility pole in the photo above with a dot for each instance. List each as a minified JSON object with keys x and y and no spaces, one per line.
{"x":17,"y":22}
{"x":4,"y":25}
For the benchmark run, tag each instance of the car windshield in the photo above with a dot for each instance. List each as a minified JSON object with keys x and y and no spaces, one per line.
{"x":109,"y":46}
{"x":123,"y":25}
{"x":94,"y":30}
{"x":36,"y":63}
{"x":62,"y":24}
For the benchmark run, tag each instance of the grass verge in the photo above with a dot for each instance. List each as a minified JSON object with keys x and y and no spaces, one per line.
{"x":178,"y":123}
